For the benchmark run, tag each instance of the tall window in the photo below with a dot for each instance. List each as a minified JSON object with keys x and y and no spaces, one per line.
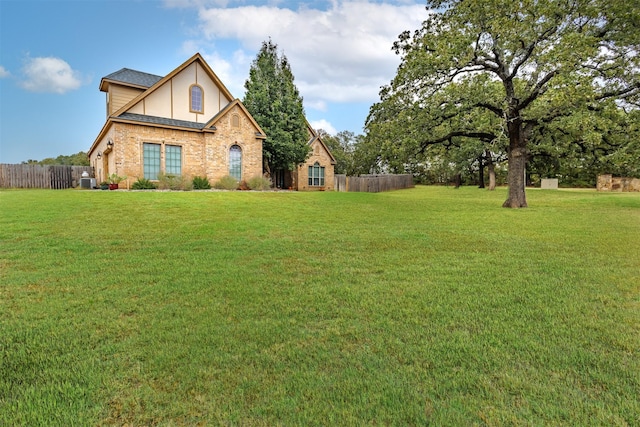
{"x":173,"y":159}
{"x":235,"y":162}
{"x":151,"y":160}
{"x":316,"y":175}
{"x":196,"y":97}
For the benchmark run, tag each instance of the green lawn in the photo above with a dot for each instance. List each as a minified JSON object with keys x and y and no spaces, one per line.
{"x":429,"y":305}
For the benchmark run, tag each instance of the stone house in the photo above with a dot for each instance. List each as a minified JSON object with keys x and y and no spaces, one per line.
{"x":187,"y":123}
{"x":317,"y":173}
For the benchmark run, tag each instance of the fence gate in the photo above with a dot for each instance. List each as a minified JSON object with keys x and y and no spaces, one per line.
{"x":60,"y":177}
{"x":340,"y":182}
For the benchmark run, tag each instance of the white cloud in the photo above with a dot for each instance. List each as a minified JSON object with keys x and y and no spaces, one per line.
{"x":342,"y":54}
{"x":316,"y":104}
{"x":4,"y":73}
{"x":51,"y":75}
{"x":324,"y":125}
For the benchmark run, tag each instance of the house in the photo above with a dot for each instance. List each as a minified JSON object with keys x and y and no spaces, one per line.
{"x":187,"y":123}
{"x":317,"y":173}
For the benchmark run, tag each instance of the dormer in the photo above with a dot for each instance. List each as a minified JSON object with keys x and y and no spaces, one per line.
{"x":124,"y":85}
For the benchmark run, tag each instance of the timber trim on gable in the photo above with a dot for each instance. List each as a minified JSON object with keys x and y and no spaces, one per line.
{"x":195,"y":58}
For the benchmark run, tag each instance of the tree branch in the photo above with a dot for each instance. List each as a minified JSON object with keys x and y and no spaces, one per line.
{"x":495,"y":110}
{"x":483,"y":136}
{"x":529,"y":50}
{"x":620,"y":93}
{"x":537,"y":90}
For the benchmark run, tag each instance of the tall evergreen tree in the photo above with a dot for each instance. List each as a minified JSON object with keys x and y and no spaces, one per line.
{"x":275,"y":103}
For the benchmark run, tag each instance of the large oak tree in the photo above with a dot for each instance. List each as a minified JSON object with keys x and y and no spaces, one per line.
{"x":491,"y":69}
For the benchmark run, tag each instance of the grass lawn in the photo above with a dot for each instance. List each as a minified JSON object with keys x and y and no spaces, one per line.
{"x":429,"y":305}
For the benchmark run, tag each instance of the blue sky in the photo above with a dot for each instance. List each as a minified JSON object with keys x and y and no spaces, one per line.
{"x":54,"y":53}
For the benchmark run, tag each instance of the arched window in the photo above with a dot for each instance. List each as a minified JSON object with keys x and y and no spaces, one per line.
{"x":235,"y":162}
{"x":196,"y":99}
{"x":235,"y":121}
{"x":316,"y":175}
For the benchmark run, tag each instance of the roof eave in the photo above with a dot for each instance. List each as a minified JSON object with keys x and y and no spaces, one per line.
{"x":101,"y":135}
{"x":104,"y":84}
{"x":156,"y":125}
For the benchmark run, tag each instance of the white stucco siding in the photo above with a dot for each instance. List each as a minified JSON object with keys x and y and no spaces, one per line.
{"x":172,"y":99}
{"x":137,"y":109}
{"x":214,"y":101}
{"x":181,"y":84}
{"x":158,"y":103}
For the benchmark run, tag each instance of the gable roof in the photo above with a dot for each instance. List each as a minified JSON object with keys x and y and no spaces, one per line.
{"x":211,"y":123}
{"x":149,"y":83}
{"x":130,"y":77}
{"x":195,"y":58}
{"x":316,"y":137}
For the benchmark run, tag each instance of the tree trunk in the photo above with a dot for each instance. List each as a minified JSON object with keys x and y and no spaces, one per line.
{"x":481,"y":172}
{"x":492,"y":171}
{"x":517,"y":163}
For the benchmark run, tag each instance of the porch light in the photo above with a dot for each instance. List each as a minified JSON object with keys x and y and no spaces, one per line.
{"x":99,"y":156}
{"x":110,"y":144}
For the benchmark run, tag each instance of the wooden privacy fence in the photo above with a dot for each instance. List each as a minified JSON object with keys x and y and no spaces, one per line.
{"x":42,"y":176}
{"x":373,"y":183}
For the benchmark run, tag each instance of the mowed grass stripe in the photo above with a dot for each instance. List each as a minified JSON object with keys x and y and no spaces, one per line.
{"x":402,"y":308}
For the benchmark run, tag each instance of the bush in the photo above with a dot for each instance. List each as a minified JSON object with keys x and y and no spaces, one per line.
{"x":259,"y":183}
{"x":201,"y":183}
{"x":226,"y":183}
{"x":143,"y":184}
{"x":174,"y":182}
{"x":114,"y":178}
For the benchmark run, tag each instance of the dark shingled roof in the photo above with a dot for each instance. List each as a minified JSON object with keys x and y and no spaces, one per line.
{"x":161,"y":121}
{"x":137,"y":78}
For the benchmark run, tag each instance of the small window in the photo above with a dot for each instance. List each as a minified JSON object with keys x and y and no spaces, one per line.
{"x":235,"y":162}
{"x":196,"y":97}
{"x":173,"y":160}
{"x":235,"y":121}
{"x":316,"y":175}
{"x":151,"y":160}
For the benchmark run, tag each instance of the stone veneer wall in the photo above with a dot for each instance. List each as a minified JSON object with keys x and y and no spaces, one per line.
{"x":203,"y":153}
{"x":227,"y":135}
{"x":318,"y":154}
{"x":611,"y":183}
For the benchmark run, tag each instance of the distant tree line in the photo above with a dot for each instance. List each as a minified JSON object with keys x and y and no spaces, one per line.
{"x":78,"y":159}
